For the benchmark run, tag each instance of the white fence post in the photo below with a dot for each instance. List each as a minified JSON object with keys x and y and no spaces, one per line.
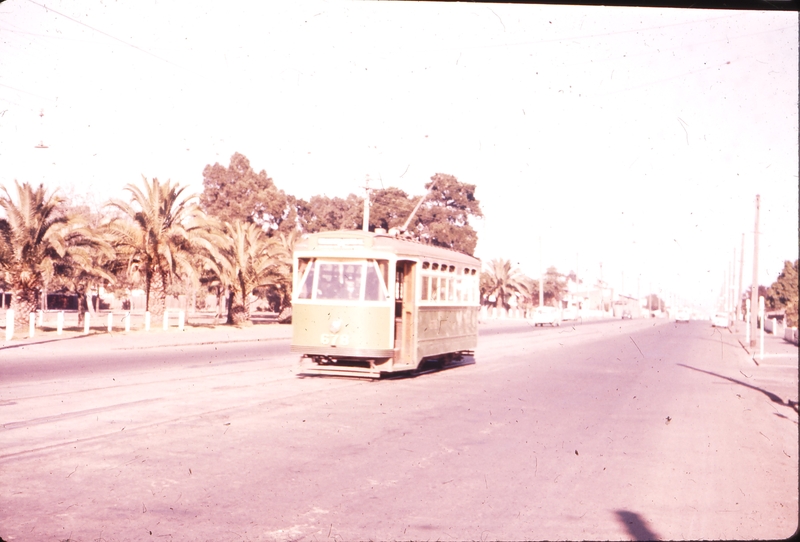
{"x":32,"y":326}
{"x":9,"y":324}
{"x":181,"y":319}
{"x":147,"y":321}
{"x":110,"y":321}
{"x":40,"y":314}
{"x":761,"y":314}
{"x":86,"y":324}
{"x":60,"y":322}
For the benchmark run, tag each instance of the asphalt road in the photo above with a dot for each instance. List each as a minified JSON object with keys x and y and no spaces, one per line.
{"x":614,"y":430}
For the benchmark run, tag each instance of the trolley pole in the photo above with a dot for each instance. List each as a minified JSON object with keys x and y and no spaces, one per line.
{"x":754,"y":289}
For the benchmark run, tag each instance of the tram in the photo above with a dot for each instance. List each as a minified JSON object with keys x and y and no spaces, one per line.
{"x":365,"y":304}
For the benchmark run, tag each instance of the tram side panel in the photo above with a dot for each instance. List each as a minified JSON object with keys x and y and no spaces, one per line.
{"x":442,"y":330}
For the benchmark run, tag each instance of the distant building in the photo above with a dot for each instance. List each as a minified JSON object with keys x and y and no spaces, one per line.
{"x":627,"y":303}
{"x":584,"y":297}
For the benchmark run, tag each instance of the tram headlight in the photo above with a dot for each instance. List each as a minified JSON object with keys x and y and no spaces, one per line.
{"x":336,"y":326}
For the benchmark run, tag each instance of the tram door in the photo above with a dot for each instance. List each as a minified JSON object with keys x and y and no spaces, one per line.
{"x":404,"y":313}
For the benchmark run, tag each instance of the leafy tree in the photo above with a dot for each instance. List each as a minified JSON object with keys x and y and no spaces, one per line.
{"x":322,"y":213}
{"x":157,"y":236}
{"x":555,"y":284}
{"x":783,"y":294}
{"x":389,"y":208}
{"x":502,"y":281}
{"x":762,"y":292}
{"x":239,"y":193}
{"x":443,"y":219}
{"x":35,"y":237}
{"x":244,"y":258}
{"x":88,"y":266}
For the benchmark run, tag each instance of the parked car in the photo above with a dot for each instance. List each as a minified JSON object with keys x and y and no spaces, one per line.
{"x":547,"y":315}
{"x":682,"y":315}
{"x":720,"y":319}
{"x":626,"y":315}
{"x":570,"y":313}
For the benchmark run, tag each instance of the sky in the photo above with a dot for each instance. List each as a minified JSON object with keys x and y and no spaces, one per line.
{"x":623,"y":143}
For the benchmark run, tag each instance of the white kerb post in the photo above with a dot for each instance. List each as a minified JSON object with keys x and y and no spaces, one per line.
{"x":86,"y":323}
{"x":9,"y":324}
{"x":147,"y":321}
{"x":32,"y":326}
{"x":166,"y":319}
{"x":181,"y":319}
{"x":127,"y":321}
{"x":761,"y":314}
{"x":60,"y":322}
{"x":110,"y":322}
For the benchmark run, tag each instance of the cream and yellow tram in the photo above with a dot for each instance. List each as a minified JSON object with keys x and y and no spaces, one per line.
{"x":366,"y":303}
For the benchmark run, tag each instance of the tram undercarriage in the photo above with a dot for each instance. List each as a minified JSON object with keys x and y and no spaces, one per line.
{"x":376,"y":368}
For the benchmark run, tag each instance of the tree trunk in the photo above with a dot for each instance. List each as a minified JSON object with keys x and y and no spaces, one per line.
{"x":237,"y":312}
{"x":83,"y":306}
{"x":89,"y":304}
{"x":44,"y":297}
{"x":23,"y":302}
{"x":157,"y":294}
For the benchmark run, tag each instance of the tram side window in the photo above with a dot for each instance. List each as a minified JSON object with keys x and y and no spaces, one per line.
{"x":424,"y":294}
{"x":434,"y":288}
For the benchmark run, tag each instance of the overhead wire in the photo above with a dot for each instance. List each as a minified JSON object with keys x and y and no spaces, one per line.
{"x":90,"y":27}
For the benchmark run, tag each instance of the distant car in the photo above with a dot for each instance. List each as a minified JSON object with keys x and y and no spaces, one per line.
{"x":570,"y":313}
{"x":720,"y":319}
{"x":683,"y":316}
{"x":626,"y":315}
{"x":547,"y":315}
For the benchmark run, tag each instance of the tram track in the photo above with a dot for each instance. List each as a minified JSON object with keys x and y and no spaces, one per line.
{"x":157,"y":404}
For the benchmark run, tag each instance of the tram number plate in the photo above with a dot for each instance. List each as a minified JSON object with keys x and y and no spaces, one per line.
{"x":334,"y":339}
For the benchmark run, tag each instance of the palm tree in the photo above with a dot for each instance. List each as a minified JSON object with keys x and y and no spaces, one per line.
{"x":242,"y":258}
{"x":37,"y":239}
{"x":157,"y":236}
{"x":501,"y":280}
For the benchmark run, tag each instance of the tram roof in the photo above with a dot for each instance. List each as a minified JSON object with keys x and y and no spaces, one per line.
{"x":352,"y":241}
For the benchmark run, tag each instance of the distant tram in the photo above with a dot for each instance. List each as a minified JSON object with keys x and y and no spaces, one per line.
{"x":365,"y":304}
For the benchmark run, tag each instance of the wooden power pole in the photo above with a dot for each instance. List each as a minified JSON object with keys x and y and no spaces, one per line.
{"x":754,"y":289}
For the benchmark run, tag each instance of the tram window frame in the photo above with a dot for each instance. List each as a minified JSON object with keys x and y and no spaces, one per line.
{"x":308,"y":269}
{"x":360,"y":269}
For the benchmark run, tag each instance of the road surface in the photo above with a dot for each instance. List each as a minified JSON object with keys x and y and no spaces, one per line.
{"x":617,"y":430}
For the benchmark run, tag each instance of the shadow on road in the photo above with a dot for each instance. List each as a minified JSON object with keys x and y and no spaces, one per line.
{"x":774,"y":398}
{"x":60,"y":339}
{"x":636,"y":525}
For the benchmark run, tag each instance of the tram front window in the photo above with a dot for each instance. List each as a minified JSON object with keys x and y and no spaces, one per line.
{"x":350,"y":281}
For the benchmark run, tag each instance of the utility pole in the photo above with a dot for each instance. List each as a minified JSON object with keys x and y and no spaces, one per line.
{"x":541,"y":274}
{"x":754,"y":289}
{"x":733,"y":280}
{"x":739,"y":295}
{"x":365,"y":224}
